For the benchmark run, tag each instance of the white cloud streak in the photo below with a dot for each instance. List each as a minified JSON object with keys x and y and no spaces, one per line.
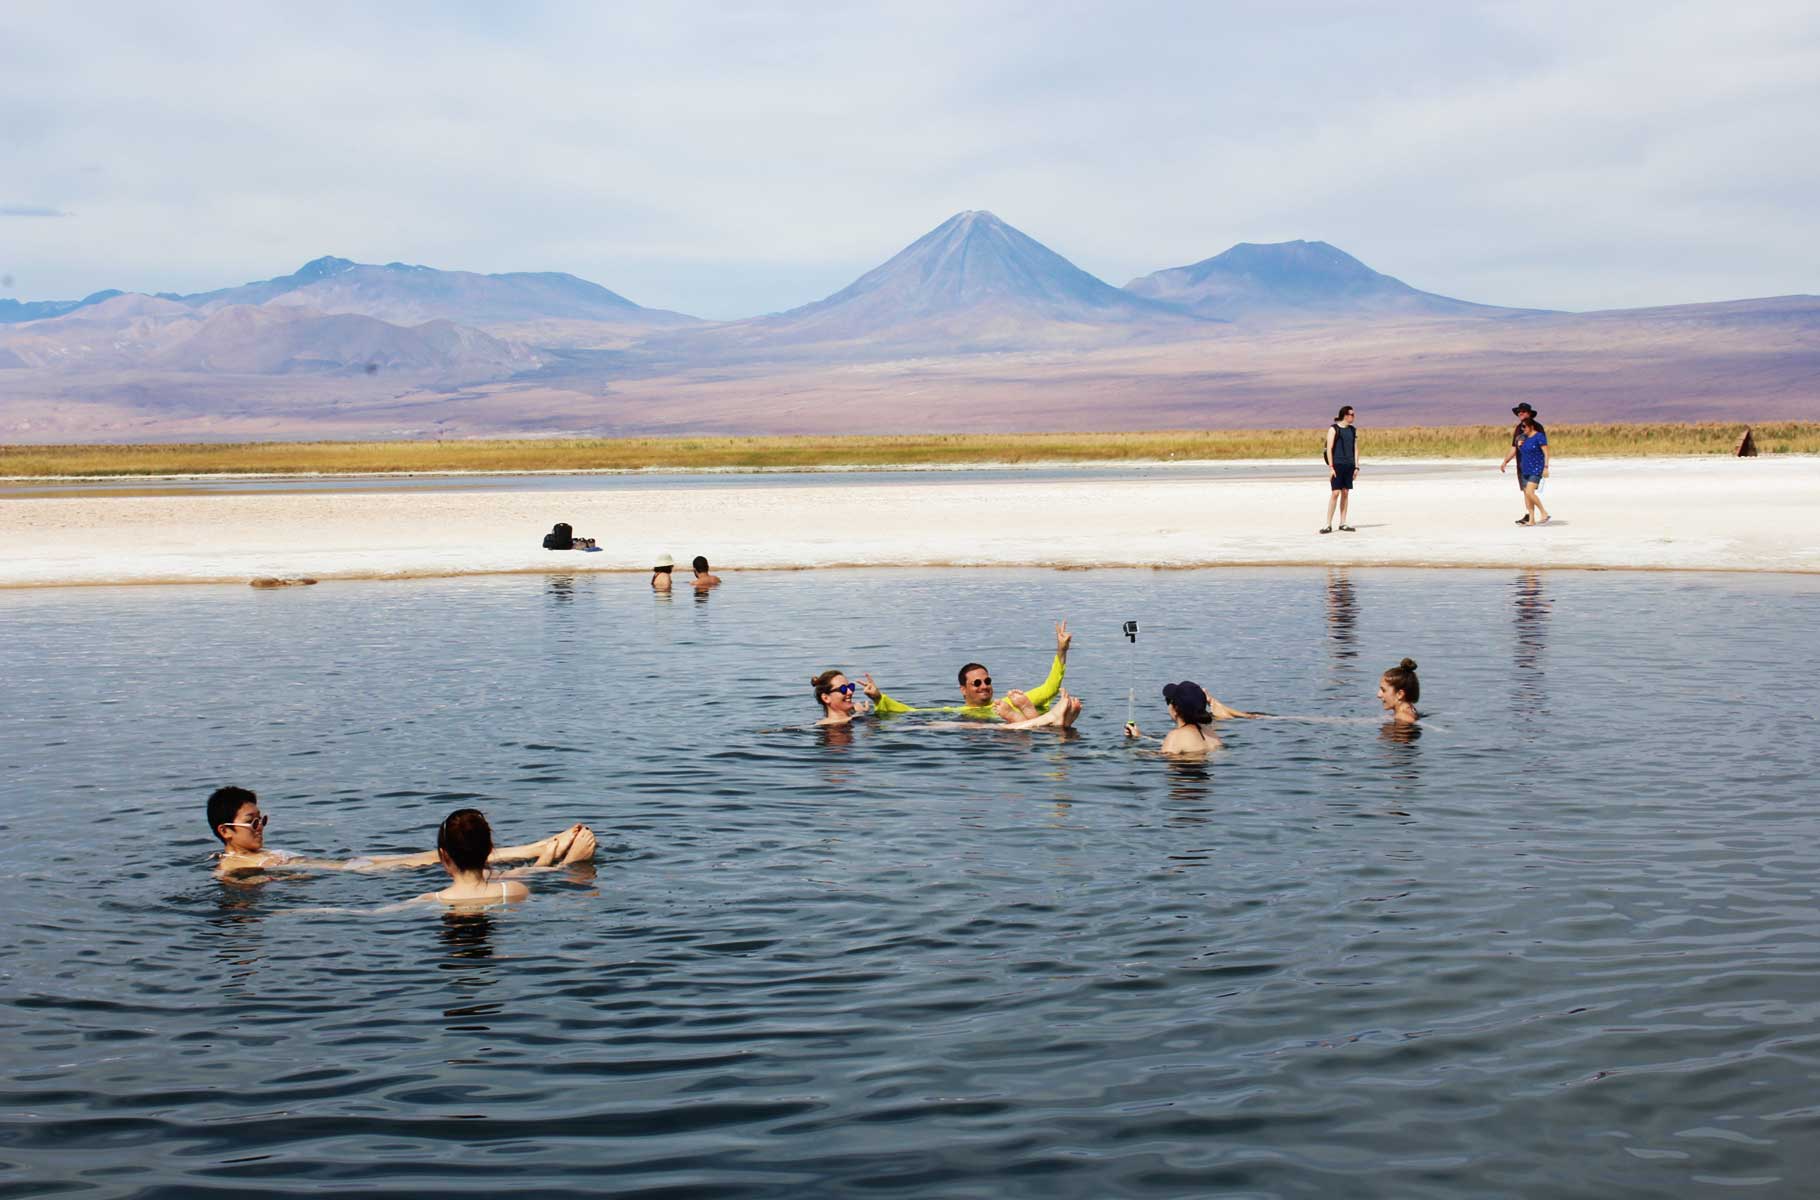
{"x":731,"y":159}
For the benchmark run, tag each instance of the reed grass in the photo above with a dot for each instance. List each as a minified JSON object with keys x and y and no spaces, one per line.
{"x":593,"y":454}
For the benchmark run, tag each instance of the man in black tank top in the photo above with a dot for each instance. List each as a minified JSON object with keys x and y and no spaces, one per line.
{"x":1342,"y":457}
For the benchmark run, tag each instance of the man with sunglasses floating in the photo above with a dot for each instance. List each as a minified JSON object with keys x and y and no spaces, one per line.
{"x":976,"y":690}
{"x":976,"y":687}
{"x":234,"y":817}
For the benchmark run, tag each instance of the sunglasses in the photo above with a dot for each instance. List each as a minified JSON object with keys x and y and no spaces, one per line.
{"x":847,"y":689}
{"x":257,"y":823}
{"x":982,"y":681}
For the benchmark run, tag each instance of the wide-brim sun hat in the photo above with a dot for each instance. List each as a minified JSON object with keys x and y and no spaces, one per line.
{"x":1187,"y":697}
{"x":663,"y":560}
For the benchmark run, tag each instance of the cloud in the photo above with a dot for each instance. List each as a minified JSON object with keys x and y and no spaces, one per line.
{"x":727,"y":159}
{"x":30,"y":210}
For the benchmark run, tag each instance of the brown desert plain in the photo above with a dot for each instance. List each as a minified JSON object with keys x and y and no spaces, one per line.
{"x":974,"y":328}
{"x":1750,"y":362}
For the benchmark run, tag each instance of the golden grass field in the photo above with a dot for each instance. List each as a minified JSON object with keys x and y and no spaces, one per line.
{"x":593,"y":454}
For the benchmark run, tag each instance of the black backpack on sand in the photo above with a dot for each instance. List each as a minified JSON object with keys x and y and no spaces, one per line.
{"x":562,"y":537}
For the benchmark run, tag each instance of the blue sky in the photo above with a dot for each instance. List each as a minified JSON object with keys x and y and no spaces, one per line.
{"x":727,"y":160}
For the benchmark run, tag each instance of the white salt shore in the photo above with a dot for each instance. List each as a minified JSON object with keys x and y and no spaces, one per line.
{"x":1686,"y":514}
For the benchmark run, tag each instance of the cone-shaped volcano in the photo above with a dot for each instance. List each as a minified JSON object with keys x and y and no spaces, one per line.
{"x":971,"y":280}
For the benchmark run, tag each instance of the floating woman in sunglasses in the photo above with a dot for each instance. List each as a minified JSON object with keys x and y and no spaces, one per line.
{"x":234,"y":817}
{"x":838,"y":697}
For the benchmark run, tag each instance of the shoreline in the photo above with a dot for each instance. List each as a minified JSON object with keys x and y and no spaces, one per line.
{"x":1725,"y":515}
{"x":682,"y":588}
{"x":825,"y":469}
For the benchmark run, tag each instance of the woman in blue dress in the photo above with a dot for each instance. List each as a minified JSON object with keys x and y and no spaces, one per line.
{"x":1532,"y":468}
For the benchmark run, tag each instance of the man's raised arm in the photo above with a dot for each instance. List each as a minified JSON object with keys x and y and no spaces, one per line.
{"x":1044,"y":692}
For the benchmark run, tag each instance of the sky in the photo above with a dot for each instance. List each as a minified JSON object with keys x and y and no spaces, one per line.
{"x":726,"y":160}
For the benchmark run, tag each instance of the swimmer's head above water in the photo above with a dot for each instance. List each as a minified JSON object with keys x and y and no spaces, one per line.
{"x":234,"y":817}
{"x":834,"y":693}
{"x":1188,"y":703}
{"x":464,"y":840}
{"x":976,"y":685}
{"x":1399,"y":689}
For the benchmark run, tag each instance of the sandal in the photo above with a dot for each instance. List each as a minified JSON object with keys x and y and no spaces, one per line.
{"x":1347,"y":529}
{"x":1544,"y":520}
{"x":1523,"y":520}
{"x":1326,"y":529}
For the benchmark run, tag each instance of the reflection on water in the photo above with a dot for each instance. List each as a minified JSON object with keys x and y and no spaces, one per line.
{"x":1399,"y":734}
{"x":1342,"y":616}
{"x":1530,"y":609}
{"x":1190,"y":785}
{"x":1402,"y":760}
{"x":835,"y":737}
{"x":466,"y":939}
{"x":467,"y":934}
{"x":925,"y":962}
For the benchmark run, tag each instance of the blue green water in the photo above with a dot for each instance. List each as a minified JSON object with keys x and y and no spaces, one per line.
{"x":1561,"y":943}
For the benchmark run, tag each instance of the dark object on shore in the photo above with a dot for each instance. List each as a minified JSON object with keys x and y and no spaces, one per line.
{"x":1747,"y":446}
{"x":267,"y":581}
{"x":562,"y":537}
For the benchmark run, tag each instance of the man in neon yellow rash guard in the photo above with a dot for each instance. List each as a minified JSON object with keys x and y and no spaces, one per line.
{"x":976,"y":689}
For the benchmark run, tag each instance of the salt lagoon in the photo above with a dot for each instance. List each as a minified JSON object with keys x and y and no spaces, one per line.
{"x":1560,"y":942}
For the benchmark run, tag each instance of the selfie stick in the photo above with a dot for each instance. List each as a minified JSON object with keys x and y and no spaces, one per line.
{"x":1131,"y":632}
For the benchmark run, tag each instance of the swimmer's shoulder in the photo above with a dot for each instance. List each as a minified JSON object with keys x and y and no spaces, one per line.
{"x":495,"y":891}
{"x":1182,"y":741}
{"x":227,"y":864}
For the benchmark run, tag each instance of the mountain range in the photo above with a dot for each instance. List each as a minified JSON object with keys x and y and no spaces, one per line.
{"x":971,"y":317}
{"x":1252,"y":280}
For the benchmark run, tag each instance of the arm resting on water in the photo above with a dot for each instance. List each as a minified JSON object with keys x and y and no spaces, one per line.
{"x":427,"y":858}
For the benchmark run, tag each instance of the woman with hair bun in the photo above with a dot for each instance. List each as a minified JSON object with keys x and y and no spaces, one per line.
{"x":835,"y":693}
{"x":1398,"y":691}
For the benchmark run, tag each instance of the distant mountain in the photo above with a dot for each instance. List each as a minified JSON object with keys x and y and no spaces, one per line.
{"x":13,"y":312}
{"x":1287,"y":278}
{"x":156,"y":337}
{"x":410,"y":295}
{"x":971,"y":282}
{"x":277,"y":340}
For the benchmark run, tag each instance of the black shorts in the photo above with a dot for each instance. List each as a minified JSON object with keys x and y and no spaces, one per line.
{"x":1342,"y":478}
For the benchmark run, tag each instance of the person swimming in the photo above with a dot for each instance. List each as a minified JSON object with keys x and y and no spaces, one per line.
{"x":234,"y":817}
{"x":1398,"y":691}
{"x":1192,"y":710}
{"x":1015,"y":708}
{"x":660,"y":573}
{"x":464,"y":846}
{"x":838,"y":697}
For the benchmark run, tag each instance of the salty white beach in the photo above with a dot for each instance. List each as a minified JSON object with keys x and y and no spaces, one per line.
{"x":1686,"y":514}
